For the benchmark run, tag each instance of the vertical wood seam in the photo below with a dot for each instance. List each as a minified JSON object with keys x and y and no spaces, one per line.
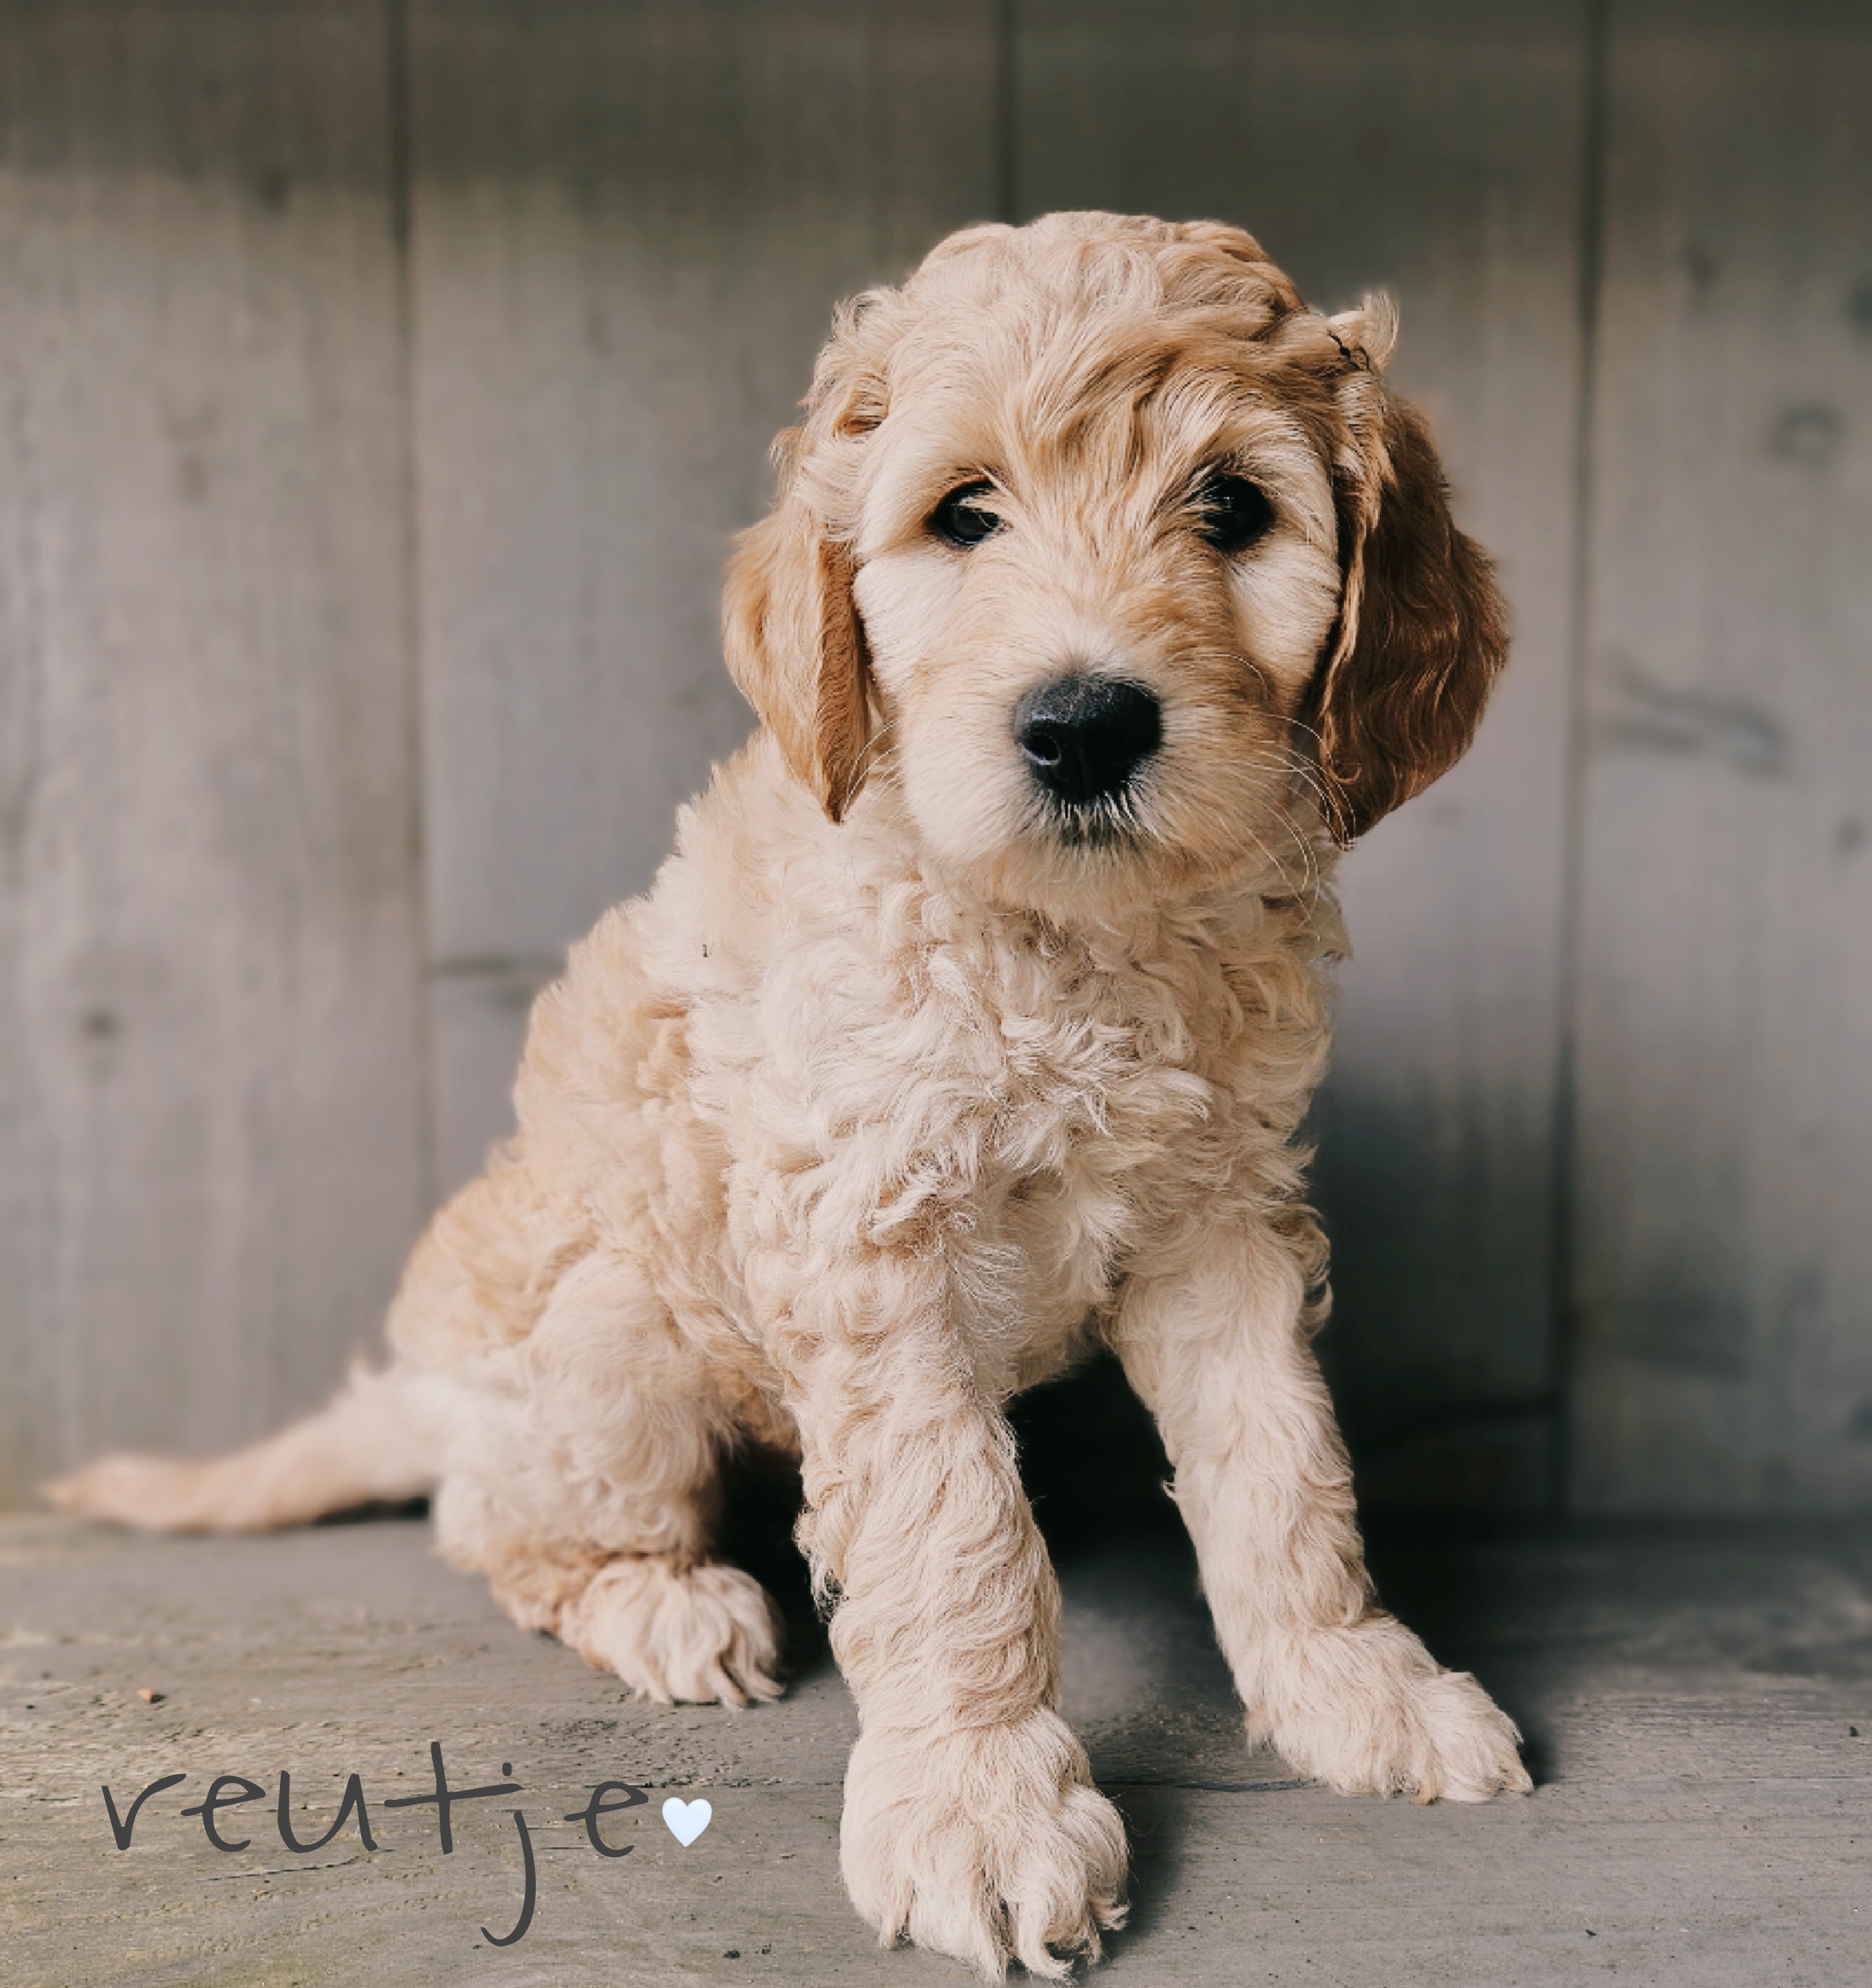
{"x":402,"y":228}
{"x":1007,"y":111}
{"x":1564,"y":1269}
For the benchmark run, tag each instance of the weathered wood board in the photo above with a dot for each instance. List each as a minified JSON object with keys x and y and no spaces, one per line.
{"x":1434,"y":151}
{"x":210,"y":1056}
{"x":1724,"y":1180}
{"x":631,"y":223}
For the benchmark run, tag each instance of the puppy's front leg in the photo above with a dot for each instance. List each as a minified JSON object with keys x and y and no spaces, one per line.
{"x":971,"y":1823}
{"x":1214,"y":1335}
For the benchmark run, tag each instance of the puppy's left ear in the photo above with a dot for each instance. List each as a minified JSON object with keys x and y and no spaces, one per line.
{"x":1422,"y":632}
{"x":795,"y":646}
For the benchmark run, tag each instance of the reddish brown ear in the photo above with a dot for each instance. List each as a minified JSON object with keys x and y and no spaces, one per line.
{"x":795,"y":646}
{"x":1422,"y":632}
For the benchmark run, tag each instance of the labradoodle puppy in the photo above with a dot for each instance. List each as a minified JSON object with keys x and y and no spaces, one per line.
{"x":970,"y":1027}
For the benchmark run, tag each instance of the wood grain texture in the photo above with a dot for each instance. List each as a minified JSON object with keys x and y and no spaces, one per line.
{"x":210,"y":1014}
{"x":1433,"y":150}
{"x":1724,"y":1170}
{"x":630,"y":223}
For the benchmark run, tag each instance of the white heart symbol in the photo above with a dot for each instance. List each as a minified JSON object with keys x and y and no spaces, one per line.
{"x":686,"y":1820}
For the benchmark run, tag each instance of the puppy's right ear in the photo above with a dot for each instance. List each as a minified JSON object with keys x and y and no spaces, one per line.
{"x":795,"y":645}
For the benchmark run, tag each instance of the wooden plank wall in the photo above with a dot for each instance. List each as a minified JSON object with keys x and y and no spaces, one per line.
{"x":1725,"y":964}
{"x":384,"y":380}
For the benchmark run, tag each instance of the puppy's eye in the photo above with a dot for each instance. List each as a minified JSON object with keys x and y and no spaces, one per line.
{"x":965,"y":517}
{"x":1233,"y":512}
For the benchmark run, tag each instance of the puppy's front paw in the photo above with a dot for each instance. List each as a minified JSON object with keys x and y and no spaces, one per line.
{"x":1367,"y":1710}
{"x":985,"y":1845}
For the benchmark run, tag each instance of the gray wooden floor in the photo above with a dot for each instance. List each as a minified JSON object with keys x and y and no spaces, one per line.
{"x":1704,"y":1815}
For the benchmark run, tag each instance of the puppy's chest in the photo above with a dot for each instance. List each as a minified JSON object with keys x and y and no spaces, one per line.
{"x":1010,"y":1102}
{"x":1100,"y":1091}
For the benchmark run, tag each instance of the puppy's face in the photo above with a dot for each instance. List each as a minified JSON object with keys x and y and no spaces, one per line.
{"x":1096,"y":570}
{"x":1120,"y":564}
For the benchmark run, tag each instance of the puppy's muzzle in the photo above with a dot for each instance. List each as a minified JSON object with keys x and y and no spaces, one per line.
{"x":1084,"y":738}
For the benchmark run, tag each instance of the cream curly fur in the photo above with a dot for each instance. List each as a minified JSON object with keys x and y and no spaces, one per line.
{"x":903,"y":1089}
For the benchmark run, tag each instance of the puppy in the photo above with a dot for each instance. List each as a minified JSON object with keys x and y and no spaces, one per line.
{"x":970,"y":1028}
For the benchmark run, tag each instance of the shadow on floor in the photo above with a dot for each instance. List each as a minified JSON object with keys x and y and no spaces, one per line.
{"x":1096,"y":1470}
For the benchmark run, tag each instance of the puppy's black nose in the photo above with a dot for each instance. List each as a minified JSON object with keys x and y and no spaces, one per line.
{"x":1083,"y":737}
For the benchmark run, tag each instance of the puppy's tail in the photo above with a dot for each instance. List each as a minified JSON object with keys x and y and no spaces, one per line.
{"x":369,"y":1444}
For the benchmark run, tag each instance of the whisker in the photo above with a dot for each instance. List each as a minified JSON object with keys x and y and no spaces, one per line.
{"x":1299,"y":770}
{"x":873,"y":749}
{"x":1279,"y":868}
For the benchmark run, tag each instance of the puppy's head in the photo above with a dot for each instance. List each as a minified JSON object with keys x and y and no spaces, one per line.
{"x":1123,"y":566}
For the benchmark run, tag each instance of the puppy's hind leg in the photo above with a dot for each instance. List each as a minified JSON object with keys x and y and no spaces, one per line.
{"x":592,"y":1511}
{"x":371,"y":1442}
